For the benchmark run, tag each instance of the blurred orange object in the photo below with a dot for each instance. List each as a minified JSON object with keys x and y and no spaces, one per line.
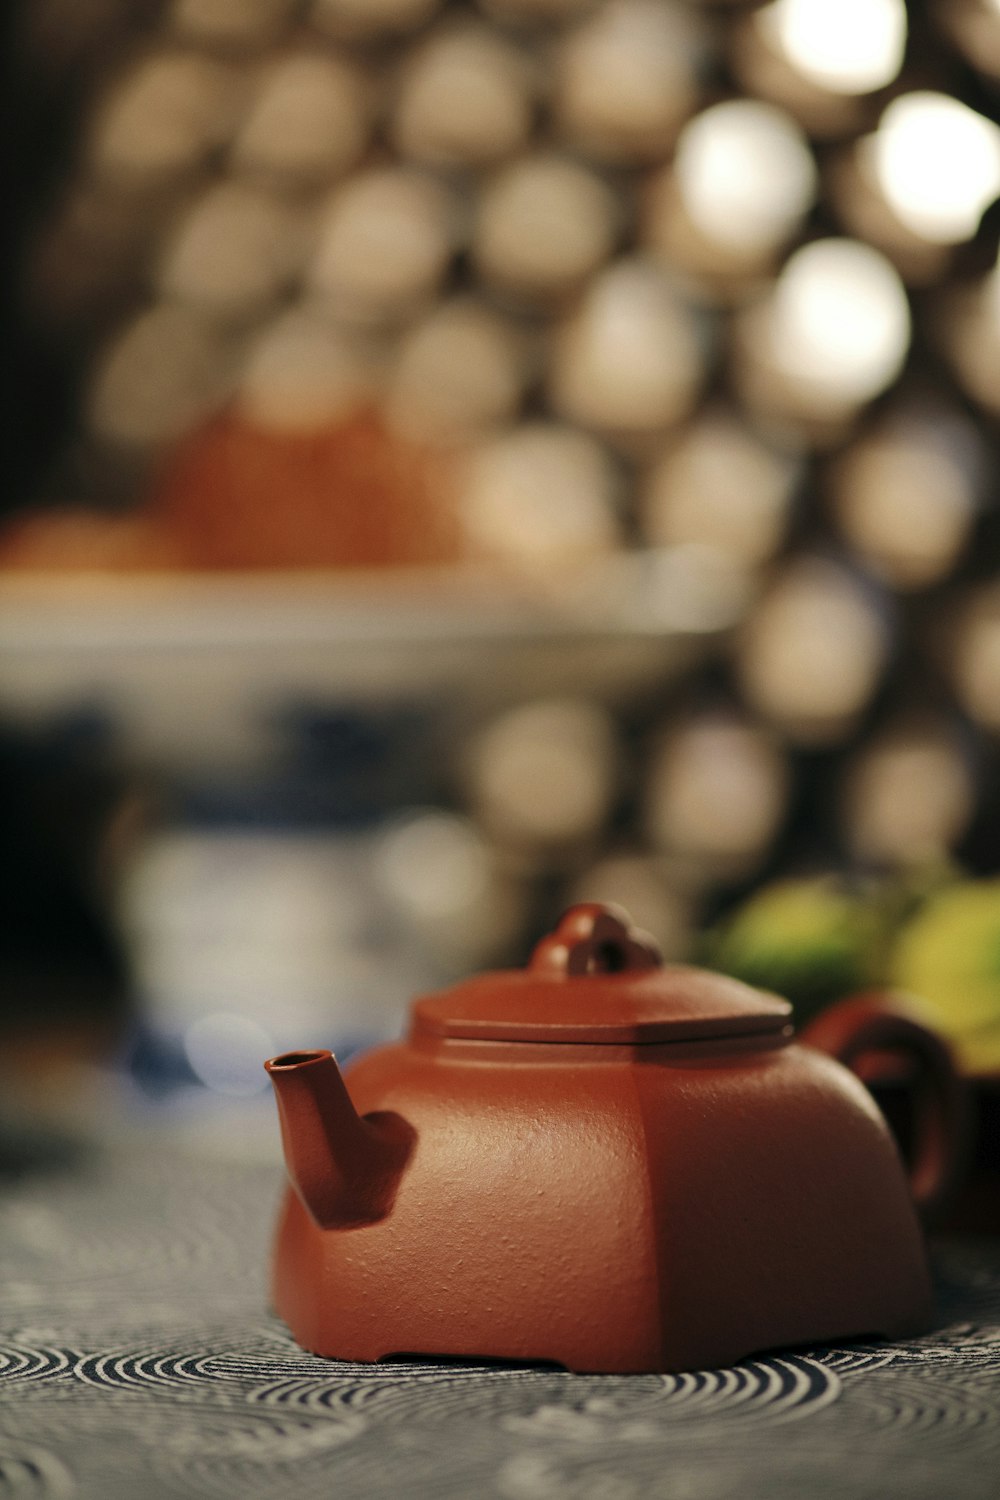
{"x":78,"y":540}
{"x":238,"y":495}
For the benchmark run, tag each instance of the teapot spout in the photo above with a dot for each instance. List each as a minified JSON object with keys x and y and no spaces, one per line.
{"x":345,"y":1168}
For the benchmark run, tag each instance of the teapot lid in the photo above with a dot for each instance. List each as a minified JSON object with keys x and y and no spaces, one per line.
{"x":598,"y":979}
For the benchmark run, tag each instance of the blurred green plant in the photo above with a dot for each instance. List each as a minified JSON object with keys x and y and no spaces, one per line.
{"x":809,"y":940}
{"x":931,"y":934}
{"x":949,"y":955}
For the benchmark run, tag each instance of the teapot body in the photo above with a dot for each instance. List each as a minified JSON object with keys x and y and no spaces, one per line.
{"x":614,"y":1208}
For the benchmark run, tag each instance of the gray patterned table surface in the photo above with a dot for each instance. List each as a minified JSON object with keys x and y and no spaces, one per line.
{"x":137,"y":1358}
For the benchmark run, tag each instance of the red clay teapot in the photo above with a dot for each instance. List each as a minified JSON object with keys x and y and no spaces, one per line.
{"x":606,"y":1163}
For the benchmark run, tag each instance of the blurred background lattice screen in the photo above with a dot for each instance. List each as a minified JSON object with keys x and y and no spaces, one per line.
{"x":531,"y":294}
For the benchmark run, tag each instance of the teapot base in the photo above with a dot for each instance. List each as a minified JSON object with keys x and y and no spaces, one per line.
{"x":406,"y":1320}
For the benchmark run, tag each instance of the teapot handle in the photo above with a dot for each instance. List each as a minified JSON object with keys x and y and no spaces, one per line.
{"x":869,"y":1033}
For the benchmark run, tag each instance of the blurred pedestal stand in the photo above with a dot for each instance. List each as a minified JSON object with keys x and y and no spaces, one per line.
{"x":286,"y":723}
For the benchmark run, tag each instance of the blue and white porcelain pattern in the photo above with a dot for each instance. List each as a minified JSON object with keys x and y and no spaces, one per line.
{"x":137,"y":1359}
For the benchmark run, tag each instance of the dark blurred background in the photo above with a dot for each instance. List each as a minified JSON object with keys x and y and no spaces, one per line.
{"x":467,"y":458}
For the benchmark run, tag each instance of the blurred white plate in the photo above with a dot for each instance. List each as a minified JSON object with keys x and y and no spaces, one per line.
{"x":193,"y":668}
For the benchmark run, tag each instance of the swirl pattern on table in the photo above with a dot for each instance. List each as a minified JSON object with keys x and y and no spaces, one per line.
{"x":24,"y":1362}
{"x":146,"y":1365}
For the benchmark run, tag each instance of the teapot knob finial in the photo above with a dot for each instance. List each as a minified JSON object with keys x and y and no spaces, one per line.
{"x":594,"y":938}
